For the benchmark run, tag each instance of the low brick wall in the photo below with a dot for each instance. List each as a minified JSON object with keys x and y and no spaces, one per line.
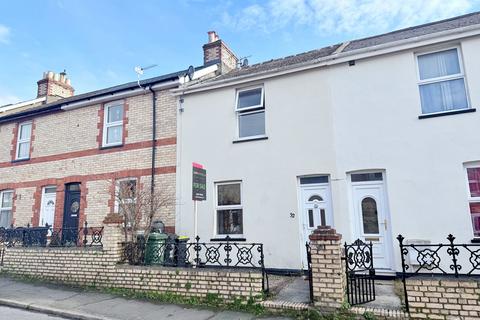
{"x":440,"y":298}
{"x":99,"y":267}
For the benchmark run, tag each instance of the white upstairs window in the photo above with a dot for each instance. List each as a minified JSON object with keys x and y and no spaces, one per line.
{"x":250,"y":110}
{"x":113,"y":124}
{"x":442,"y":81}
{"x":23,"y":141}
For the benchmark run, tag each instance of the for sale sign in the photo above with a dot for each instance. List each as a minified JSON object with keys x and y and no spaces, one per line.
{"x":199,"y":183}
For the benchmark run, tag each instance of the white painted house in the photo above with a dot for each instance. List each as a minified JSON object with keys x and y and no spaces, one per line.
{"x":375,"y":137}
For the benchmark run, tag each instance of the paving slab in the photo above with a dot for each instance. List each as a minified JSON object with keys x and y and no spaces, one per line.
{"x":74,"y":303}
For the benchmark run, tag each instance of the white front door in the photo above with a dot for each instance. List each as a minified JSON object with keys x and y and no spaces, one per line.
{"x":371,"y":220}
{"x":316,"y":210}
{"x":47,"y":211}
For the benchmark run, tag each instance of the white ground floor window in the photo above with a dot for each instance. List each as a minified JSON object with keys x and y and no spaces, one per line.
{"x":229,"y":208}
{"x":6,"y":204}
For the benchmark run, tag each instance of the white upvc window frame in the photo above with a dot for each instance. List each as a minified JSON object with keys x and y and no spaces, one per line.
{"x":107,"y":125}
{"x":23,"y":141}
{"x":2,"y":208}
{"x":260,"y":108}
{"x":469,"y":196}
{"x":217,"y":207}
{"x":457,"y":76}
{"x":117,"y":188}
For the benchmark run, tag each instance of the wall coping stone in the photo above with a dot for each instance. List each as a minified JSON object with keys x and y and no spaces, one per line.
{"x":113,"y":218}
{"x":191,"y":270}
{"x":325,"y":233}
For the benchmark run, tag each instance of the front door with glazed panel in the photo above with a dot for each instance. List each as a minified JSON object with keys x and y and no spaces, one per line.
{"x":371,"y":221}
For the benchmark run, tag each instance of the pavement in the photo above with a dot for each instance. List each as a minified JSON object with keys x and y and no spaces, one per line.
{"x":71,"y":303}
{"x":20,"y":314}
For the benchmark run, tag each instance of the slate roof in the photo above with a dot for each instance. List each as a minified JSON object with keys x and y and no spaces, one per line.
{"x":408,"y":33}
{"x":33,"y":109}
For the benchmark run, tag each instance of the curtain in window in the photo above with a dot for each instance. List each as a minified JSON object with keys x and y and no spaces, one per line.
{"x":439,"y":64}
{"x":441,"y":95}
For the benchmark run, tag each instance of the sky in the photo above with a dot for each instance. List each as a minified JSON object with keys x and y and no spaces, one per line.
{"x":99,"y":42}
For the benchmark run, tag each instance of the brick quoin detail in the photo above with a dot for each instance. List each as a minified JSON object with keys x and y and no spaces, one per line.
{"x":14,"y":205}
{"x":36,"y":207}
{"x":32,"y":139}
{"x":101,"y":117}
{"x":13,"y":149}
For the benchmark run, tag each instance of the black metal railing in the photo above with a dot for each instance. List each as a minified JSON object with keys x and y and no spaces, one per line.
{"x":438,"y":259}
{"x":177,"y":253}
{"x":360,"y":272}
{"x":49,"y":236}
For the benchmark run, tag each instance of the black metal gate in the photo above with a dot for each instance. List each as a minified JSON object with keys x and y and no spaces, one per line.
{"x":360,"y":272}
{"x":309,"y":263}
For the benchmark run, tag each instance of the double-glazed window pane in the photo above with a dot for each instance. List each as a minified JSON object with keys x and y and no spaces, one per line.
{"x":443,"y":96}
{"x":113,"y":126}
{"x":115,"y":113}
{"x":370,"y":216}
{"x":6,"y":203}
{"x":23,"y":141}
{"x":250,"y":98}
{"x":442,"y":84}
{"x":473,"y":176}
{"x":230,"y":221}
{"x":25,"y":131}
{"x":251,"y":124}
{"x":474,"y":181}
{"x":229,"y":194}
{"x":114,"y":134}
{"x":229,"y":209}
{"x":439,"y":64}
{"x":23,"y":150}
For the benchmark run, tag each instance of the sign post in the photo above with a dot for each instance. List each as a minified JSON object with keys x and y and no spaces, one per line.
{"x":199,"y":190}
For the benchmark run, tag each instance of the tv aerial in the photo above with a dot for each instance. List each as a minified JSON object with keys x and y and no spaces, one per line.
{"x":141,"y":70}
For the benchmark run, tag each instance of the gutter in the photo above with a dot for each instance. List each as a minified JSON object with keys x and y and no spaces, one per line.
{"x":340,"y":57}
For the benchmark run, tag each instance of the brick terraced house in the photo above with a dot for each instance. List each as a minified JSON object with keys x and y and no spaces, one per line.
{"x":60,"y":153}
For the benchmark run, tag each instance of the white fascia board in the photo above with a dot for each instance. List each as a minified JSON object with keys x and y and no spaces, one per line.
{"x":21,"y":104}
{"x":120,"y":95}
{"x":199,"y":74}
{"x":342,"y":57}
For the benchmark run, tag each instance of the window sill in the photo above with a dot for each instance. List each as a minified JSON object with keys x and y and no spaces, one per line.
{"x":475,"y":240}
{"x":250,"y":139}
{"x":111,"y":147}
{"x":447,"y":113}
{"x":20,"y":160}
{"x":224,"y":239}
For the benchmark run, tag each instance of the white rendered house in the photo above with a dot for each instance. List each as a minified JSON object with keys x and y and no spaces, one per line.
{"x":375,"y":137}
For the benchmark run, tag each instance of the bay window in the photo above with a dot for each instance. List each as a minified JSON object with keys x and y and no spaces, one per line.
{"x":250,"y":111}
{"x":229,"y":209}
{"x":441,"y":81}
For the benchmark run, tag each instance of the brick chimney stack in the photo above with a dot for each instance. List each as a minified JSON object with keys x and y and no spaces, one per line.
{"x":216,"y":51}
{"x":54,"y":86}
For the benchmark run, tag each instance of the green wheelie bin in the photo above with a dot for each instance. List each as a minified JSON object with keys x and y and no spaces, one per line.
{"x":154,"y":252}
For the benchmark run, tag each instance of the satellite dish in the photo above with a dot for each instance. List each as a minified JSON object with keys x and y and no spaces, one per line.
{"x":190,"y":72}
{"x":245,"y":62}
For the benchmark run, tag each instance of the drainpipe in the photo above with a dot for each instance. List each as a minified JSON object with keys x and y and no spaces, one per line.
{"x":154,"y":138}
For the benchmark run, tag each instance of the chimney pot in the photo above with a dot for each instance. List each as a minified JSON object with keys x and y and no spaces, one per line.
{"x":212,"y":36}
{"x":54,"y":86}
